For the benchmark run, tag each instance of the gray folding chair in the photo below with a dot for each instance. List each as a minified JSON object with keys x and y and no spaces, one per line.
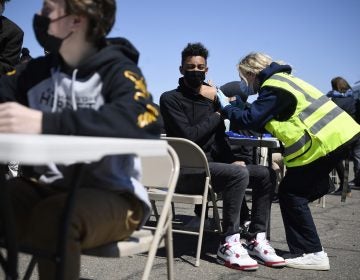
{"x":158,"y":171}
{"x":191,"y":157}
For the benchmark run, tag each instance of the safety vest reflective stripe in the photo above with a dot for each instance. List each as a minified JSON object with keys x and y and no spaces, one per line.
{"x":297,"y":145}
{"x":317,"y":125}
{"x":308,"y":111}
{"x":315,"y":128}
{"x":315,"y":104}
{"x":308,"y":97}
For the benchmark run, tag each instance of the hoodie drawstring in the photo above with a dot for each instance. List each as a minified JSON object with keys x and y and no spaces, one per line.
{"x":56,"y":76}
{"x":73,"y":96}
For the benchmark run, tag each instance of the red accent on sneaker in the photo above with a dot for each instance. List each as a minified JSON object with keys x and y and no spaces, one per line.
{"x":243,"y":267}
{"x":275,"y":264}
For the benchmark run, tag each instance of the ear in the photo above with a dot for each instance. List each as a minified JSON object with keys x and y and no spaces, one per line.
{"x":181,"y":70}
{"x":78,"y":21}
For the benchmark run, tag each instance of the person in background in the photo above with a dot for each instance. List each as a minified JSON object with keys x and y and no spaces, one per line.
{"x":342,"y":95}
{"x":316,"y":135}
{"x":90,"y":86}
{"x":25,"y":55}
{"x":11,"y":40}
{"x":14,"y":168}
{"x":191,"y":111}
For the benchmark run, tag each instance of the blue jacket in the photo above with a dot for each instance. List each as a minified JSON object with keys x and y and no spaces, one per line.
{"x":346,"y":102}
{"x":269,"y":105}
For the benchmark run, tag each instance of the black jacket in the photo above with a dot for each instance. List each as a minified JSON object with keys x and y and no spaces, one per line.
{"x":346,"y":102}
{"x":104,"y":96}
{"x":11,"y":39}
{"x":189,"y":115}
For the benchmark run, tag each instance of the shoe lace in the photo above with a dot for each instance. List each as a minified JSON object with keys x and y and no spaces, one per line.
{"x":237,"y":248}
{"x":264,"y":245}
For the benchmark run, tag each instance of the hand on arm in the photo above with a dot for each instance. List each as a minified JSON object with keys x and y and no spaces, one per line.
{"x":16,"y":118}
{"x":224,"y":100}
{"x":239,"y":162}
{"x":208,"y":92}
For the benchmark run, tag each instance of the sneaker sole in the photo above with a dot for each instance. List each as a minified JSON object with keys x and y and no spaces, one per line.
{"x":268,"y":264}
{"x":237,"y":267}
{"x":308,"y":266}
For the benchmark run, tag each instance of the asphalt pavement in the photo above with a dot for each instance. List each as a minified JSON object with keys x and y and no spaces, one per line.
{"x":338,"y":225}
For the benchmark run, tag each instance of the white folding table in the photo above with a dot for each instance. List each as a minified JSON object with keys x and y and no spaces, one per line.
{"x":41,"y":149}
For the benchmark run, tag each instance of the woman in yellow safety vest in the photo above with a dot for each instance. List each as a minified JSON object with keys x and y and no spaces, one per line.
{"x":316,"y":135}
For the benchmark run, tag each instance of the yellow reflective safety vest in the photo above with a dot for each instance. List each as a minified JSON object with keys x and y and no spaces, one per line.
{"x":317,"y":127}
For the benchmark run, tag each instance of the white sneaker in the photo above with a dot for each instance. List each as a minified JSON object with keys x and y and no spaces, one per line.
{"x":310,"y":261}
{"x":261,"y":250}
{"x":232,"y":254}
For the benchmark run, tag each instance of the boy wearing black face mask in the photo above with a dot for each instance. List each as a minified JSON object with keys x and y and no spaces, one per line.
{"x":85,"y":86}
{"x":191,"y":111}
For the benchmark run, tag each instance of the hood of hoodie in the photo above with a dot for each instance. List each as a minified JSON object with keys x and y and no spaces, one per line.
{"x":88,"y":76}
{"x":272,"y":69}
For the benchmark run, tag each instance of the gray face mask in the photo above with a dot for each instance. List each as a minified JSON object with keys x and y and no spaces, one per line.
{"x":245,"y":88}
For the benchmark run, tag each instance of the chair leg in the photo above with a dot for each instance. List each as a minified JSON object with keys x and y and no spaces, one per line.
{"x":321,"y":201}
{"x":30,"y":269}
{"x":215,"y":211}
{"x":156,"y":213}
{"x":201,"y":233}
{"x":169,"y":251}
{"x":155,"y":245}
{"x":346,"y":180}
{"x":173,"y":209}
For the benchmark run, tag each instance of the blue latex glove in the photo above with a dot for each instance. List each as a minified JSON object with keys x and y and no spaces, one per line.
{"x":223,"y":99}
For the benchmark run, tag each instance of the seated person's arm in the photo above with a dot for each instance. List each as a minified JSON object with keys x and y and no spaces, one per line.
{"x":177,"y":123}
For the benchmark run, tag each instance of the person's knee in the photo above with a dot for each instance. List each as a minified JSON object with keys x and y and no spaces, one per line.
{"x":238,"y":174}
{"x":263,"y":178}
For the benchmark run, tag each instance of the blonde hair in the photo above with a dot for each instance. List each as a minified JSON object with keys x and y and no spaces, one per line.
{"x":255,"y":62}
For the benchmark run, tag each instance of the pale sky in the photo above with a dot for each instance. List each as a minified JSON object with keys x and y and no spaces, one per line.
{"x":319,"y":38}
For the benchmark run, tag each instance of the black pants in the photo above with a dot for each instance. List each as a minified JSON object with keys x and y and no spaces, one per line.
{"x":231,"y":180}
{"x":300,"y":186}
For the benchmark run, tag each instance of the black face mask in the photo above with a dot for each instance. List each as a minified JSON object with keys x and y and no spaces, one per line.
{"x":194,"y":78}
{"x":48,"y":42}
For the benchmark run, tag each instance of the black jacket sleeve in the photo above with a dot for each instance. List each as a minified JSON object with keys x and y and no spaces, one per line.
{"x":11,"y":40}
{"x":177,"y":122}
